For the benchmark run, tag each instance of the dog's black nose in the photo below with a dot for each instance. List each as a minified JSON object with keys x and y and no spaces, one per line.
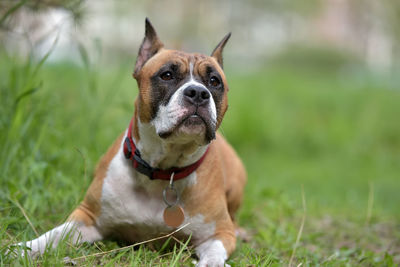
{"x":197,"y":95}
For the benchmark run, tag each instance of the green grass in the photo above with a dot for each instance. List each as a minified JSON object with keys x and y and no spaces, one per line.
{"x":334,"y":132}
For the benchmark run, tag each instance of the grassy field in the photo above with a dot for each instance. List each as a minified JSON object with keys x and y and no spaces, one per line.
{"x":321,"y":146}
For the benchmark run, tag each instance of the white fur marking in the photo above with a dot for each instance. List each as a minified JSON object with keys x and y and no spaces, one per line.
{"x":167,"y":116}
{"x":75,"y":232}
{"x":211,"y":253}
{"x":191,"y":70}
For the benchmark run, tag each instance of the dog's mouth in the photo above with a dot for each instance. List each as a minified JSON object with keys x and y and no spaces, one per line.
{"x":193,"y":124}
{"x":192,"y":120}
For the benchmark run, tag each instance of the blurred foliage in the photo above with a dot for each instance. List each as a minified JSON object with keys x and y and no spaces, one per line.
{"x":316,"y":58}
{"x":301,"y":7}
{"x":392,"y":14}
{"x":384,"y":14}
{"x":9,"y":9}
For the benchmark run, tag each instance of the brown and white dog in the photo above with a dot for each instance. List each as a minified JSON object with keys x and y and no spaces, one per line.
{"x":181,"y":102}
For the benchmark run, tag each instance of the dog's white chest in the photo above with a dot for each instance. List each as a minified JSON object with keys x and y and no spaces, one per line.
{"x":125,"y":201}
{"x":133,"y":204}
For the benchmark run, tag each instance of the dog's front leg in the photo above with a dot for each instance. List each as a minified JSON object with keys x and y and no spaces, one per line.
{"x":78,"y":229}
{"x":75,"y":232}
{"x":216,"y":250}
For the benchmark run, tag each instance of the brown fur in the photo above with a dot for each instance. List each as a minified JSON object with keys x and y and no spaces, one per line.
{"x":219,"y":189}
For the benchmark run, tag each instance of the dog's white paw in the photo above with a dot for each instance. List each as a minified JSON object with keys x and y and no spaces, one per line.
{"x":211,"y":253}
{"x":212,"y":262}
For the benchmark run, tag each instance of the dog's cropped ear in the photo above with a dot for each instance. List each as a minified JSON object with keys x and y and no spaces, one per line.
{"x":150,"y":46}
{"x":217,"y":53}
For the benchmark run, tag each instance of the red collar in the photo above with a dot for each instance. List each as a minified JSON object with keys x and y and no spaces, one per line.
{"x":132,"y":153}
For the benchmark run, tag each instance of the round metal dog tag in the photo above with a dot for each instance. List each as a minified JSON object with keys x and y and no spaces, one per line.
{"x":173,"y":213}
{"x":174,"y":216}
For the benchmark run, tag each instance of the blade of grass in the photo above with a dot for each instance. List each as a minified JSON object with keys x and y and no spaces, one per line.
{"x":178,"y":256}
{"x":370,"y":202}
{"x":114,"y":260}
{"x":25,"y":94}
{"x":45,"y":57}
{"x":183,"y":245}
{"x":11,"y":11}
{"x":136,"y":257}
{"x":303,"y":219}
{"x":25,"y":215}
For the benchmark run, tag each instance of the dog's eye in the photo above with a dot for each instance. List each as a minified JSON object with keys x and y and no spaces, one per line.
{"x":214,"y":81}
{"x":166,"y":76}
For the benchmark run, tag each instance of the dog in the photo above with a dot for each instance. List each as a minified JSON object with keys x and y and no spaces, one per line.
{"x":170,"y":168}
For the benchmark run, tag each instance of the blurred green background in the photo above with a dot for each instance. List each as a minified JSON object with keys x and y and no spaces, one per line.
{"x":314,"y":104}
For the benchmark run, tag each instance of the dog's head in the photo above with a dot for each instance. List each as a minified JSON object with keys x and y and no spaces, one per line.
{"x":183,"y":95}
